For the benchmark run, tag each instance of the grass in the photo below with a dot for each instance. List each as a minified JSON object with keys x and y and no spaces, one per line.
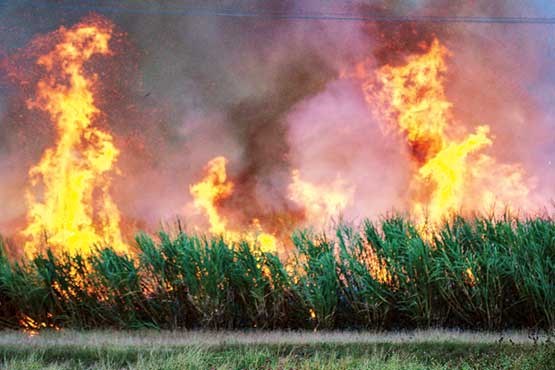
{"x":475,"y":273}
{"x":436,"y":349}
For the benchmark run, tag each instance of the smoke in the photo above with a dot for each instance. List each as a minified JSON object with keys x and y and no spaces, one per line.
{"x":494,"y":71}
{"x":268,"y":94}
{"x":334,"y":135}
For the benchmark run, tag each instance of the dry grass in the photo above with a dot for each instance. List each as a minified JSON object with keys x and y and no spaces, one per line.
{"x":153,"y":338}
{"x":280,"y":350}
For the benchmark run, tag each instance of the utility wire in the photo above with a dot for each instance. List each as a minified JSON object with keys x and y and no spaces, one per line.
{"x":239,"y":13}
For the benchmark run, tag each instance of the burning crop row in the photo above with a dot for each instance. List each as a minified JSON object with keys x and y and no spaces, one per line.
{"x":477,"y":273}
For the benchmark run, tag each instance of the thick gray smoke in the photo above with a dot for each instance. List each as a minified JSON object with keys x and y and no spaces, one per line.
{"x":267,"y":94}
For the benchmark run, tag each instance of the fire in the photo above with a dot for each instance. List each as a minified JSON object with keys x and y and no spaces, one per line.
{"x":312,"y":313}
{"x":469,"y":277}
{"x":32,"y":327}
{"x":211,"y":189}
{"x":321,"y":202}
{"x":214,"y":188}
{"x":69,"y":205}
{"x":376,"y":266}
{"x":266,"y":241}
{"x":447,"y":171}
{"x":411,"y":98}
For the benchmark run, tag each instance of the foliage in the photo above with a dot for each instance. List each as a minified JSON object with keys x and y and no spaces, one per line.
{"x":479,"y":273}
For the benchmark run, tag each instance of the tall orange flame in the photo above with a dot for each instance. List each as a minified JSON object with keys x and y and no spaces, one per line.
{"x":215,"y":187}
{"x":210,"y":190}
{"x":69,"y":205}
{"x":412,"y":98}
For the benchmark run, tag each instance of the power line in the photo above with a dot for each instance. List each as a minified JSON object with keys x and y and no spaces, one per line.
{"x":239,"y":13}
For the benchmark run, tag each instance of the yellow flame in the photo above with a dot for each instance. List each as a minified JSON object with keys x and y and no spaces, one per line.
{"x":412,"y":98}
{"x":312,"y":313}
{"x":32,"y":328}
{"x":447,"y":171}
{"x":469,"y":277}
{"x":215,"y":187}
{"x":210,"y":190}
{"x":267,"y":242}
{"x":69,"y":205}
{"x":376,"y":266}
